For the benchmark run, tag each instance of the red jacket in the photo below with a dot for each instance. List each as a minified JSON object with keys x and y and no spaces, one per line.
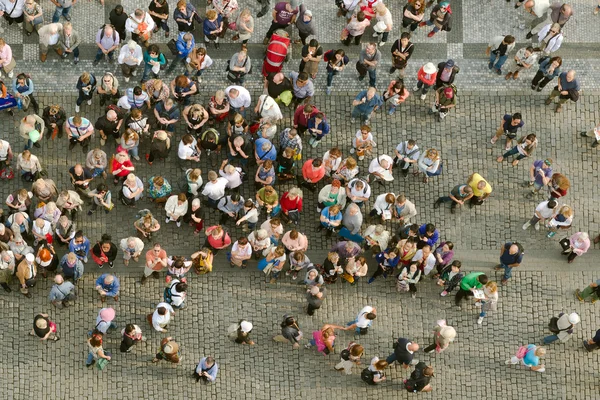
{"x":287,"y":204}
{"x":421,"y":76}
{"x":299,"y":117}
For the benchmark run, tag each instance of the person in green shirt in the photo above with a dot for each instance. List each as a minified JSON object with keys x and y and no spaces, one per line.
{"x":468,"y":284}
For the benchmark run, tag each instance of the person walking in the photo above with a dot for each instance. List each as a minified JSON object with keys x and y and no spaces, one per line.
{"x":591,"y":291}
{"x":290,"y":332}
{"x":511,"y":256}
{"x":577,"y":245}
{"x":561,"y":327}
{"x":404,"y":353}
{"x":44,"y":328}
{"x":169,"y":351}
{"x":529,"y":356}
{"x":132,"y":334}
{"x":350,"y":356}
{"x":509,"y":126}
{"x":443,"y":335}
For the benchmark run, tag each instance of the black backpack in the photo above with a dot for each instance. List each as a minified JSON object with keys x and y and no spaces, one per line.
{"x":114,"y":35}
{"x":367,"y":376}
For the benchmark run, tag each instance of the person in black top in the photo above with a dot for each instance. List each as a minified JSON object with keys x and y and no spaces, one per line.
{"x":109,"y":124}
{"x":403,"y":353}
{"x":240,"y":148}
{"x":80,"y":178}
{"x":402,"y":50}
{"x":446,"y":73}
{"x":54,"y":117}
{"x":131,"y":335}
{"x":159,"y":11}
{"x":44,"y":328}
{"x":419,"y":379}
{"x":118,"y":18}
{"x":311,"y":56}
{"x":277,"y":83}
{"x":104,"y":252}
{"x":315,"y":296}
{"x":290,"y":332}
{"x":243,"y":332}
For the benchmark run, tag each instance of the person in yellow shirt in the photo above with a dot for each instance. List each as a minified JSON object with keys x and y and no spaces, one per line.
{"x":481,"y":189}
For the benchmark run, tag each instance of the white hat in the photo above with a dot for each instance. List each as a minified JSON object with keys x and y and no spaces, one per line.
{"x":448,"y":332}
{"x":30,"y":258}
{"x":246,"y":326}
{"x":308,"y":12}
{"x":574,"y":318}
{"x":429,"y":68}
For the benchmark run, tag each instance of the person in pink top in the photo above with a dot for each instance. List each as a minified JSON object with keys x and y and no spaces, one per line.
{"x":426,"y":78}
{"x":395,"y":95}
{"x":313,"y":171}
{"x":294,"y":241}
{"x":577,"y":245}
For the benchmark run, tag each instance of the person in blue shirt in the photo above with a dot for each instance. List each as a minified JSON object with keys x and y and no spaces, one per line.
{"x":264,"y":150}
{"x":212,"y":27}
{"x":185,"y":45}
{"x":318,"y":127}
{"x":108,"y":285}
{"x":23,"y":86}
{"x":511,"y":256}
{"x":365,"y":103}
{"x":207,"y":370}
{"x":80,"y":245}
{"x":388,"y":260}
{"x":331,"y":219}
{"x":567,"y":89}
{"x":428,"y":234}
{"x":530,"y":358}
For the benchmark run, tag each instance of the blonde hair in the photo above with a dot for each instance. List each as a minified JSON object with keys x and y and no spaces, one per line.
{"x":566,"y":211}
{"x":220,"y":95}
{"x":492,"y":286}
{"x":432,"y":154}
{"x":210,"y":14}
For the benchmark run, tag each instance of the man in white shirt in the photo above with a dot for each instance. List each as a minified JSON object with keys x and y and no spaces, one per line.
{"x":545,"y":210}
{"x":425,"y":258}
{"x":161,"y":317}
{"x":358,"y":191}
{"x":6,"y":154}
{"x":239,"y":99}
{"x":176,"y":207}
{"x":380,"y":170}
{"x":134,"y":98}
{"x":12,"y":11}
{"x":407,"y":154}
{"x":214,"y":189}
{"x":363,"y":320}
{"x":383,"y":207}
{"x":130,"y":57}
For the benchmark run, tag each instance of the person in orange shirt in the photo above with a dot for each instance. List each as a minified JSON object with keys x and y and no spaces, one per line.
{"x":313,"y":171}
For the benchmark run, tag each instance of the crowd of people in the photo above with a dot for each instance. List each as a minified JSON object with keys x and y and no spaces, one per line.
{"x":250,"y":203}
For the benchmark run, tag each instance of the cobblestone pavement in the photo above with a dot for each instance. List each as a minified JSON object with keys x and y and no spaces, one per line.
{"x":472,"y":368}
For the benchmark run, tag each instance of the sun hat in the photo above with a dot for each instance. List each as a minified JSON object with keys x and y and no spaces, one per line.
{"x":429,"y":68}
{"x":574,"y":318}
{"x":246,"y":326}
{"x":107,"y":314}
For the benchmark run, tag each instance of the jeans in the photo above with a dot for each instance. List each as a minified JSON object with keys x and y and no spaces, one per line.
{"x":75,"y":52}
{"x":356,"y":113}
{"x":99,"y":54}
{"x":134,"y":151}
{"x":347,"y":41}
{"x":384,"y":36}
{"x":274,"y":26}
{"x":237,"y":110}
{"x":330,"y":75}
{"x":512,"y":152}
{"x":60,"y":11}
{"x":497,"y":64}
{"x":435,"y":28}
{"x":550,"y":339}
{"x":147,"y":71}
{"x":90,"y":357}
{"x":507,"y":271}
{"x":421,"y":84}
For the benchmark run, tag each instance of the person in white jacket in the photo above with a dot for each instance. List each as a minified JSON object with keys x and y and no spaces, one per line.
{"x":130,"y":57}
{"x":498,"y":50}
{"x":176,"y":207}
{"x":161,"y":317}
{"x":550,"y":38}
{"x":142,"y":36}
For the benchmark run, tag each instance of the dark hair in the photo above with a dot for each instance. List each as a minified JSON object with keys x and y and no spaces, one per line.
{"x":320,"y":115}
{"x":371,"y":315}
{"x":483,"y":279}
{"x":557,"y":59}
{"x":161,"y":310}
{"x":243,"y":240}
{"x":119,"y":9}
{"x":153,"y":49}
{"x":303,"y":76}
{"x":411,"y":142}
{"x":529,"y":49}
{"x":405,"y":35}
{"x":288,"y":320}
{"x":456,"y":264}
{"x":450,"y":245}
{"x":516,"y":115}
{"x":429,"y":228}
{"x":313,"y":43}
{"x":181,"y":287}
{"x":105,"y":238}
{"x":129,"y":328}
{"x":137,"y":90}
{"x":317,"y":162}
{"x":509,"y":39}
{"x":101,"y":187}
{"x":413,"y":228}
{"x":552,"y":203}
{"x":340,"y":52}
{"x":78,"y":234}
{"x":235,"y":197}
{"x":360,"y":16}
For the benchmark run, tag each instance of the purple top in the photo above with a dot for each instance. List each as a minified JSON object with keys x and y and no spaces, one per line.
{"x":283,"y":16}
{"x":538,"y":172}
{"x":446,"y":256}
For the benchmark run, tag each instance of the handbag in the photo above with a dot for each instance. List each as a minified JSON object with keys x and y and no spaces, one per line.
{"x":10,"y":66}
{"x":172,"y":45}
{"x":101,"y":363}
{"x":233,"y":26}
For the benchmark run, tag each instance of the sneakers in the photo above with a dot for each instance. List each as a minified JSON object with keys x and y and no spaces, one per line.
{"x":423,"y":96}
{"x":178,"y":224}
{"x":415,"y":88}
{"x":444,"y":293}
{"x":85,"y":260}
{"x":328,"y":90}
{"x":527,"y":225}
{"x":77,"y":108}
{"x":537,"y":226}
{"x":479,"y":320}
{"x":477,"y":304}
{"x":11,"y":74}
{"x":360,"y":158}
{"x":437,"y":204}
{"x":111,"y":264}
{"x":126,"y":79}
{"x":167,"y":220}
{"x":352,"y":150}
{"x":370,"y":280}
{"x":89,"y":102}
{"x":75,"y":61}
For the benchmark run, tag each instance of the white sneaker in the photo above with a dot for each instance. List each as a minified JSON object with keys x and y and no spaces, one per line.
{"x":423,"y":96}
{"x":537,"y":226}
{"x":414,"y":362}
{"x":375,"y":34}
{"x":479,"y":320}
{"x":352,"y":150}
{"x":136,"y":158}
{"x":126,"y":79}
{"x":134,"y":73}
{"x":199,"y":80}
{"x":178,"y":224}
{"x":77,"y":108}
{"x":167,"y":220}
{"x":11,"y":74}
{"x":381,"y":44}
{"x":89,"y":102}
{"x":360,"y":158}
{"x":415,"y":88}
{"x":477,"y":304}
{"x":527,"y":225}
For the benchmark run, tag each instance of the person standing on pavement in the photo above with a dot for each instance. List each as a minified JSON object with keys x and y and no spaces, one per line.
{"x":132,"y":334}
{"x":445,"y":99}
{"x":62,"y":292}
{"x":577,"y":245}
{"x":284,"y":15}
{"x":404,"y":350}
{"x":471,"y":282}
{"x":498,"y":50}
{"x":544,"y":211}
{"x":509,"y":126}
{"x":560,"y":13}
{"x":63,"y":8}
{"x":156,"y":261}
{"x":44,"y":328}
{"x":108,"y":285}
{"x":365,"y":104}
{"x":367,"y":63}
{"x":593,"y":133}
{"x":206,"y":370}
{"x":132,"y":248}
{"x":104,"y":252}
{"x":104,"y":320}
{"x":511,"y":256}
{"x":26,"y":273}
{"x":159,"y":11}
{"x":175,"y":208}
{"x":402,"y":50}
{"x":69,"y":41}
{"x":130,"y":57}
{"x":169,"y":351}
{"x":426,"y":77}
{"x":107,"y":40}
{"x":489,"y":302}
{"x":540,"y":176}
{"x":567,"y":89}
{"x":481,"y":189}
{"x":440,"y":18}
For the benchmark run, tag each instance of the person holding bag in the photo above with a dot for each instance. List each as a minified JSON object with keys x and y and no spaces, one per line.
{"x":290,"y":332}
{"x":104,"y":252}
{"x":96,"y":354}
{"x":350,"y":356}
{"x":239,"y":66}
{"x":132,"y":334}
{"x":324,"y":339}
{"x":7,"y":61}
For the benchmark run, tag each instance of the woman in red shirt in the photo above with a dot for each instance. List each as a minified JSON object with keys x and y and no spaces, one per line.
{"x":313,"y":171}
{"x":121,"y":167}
{"x":291,"y":206}
{"x":217,"y":239}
